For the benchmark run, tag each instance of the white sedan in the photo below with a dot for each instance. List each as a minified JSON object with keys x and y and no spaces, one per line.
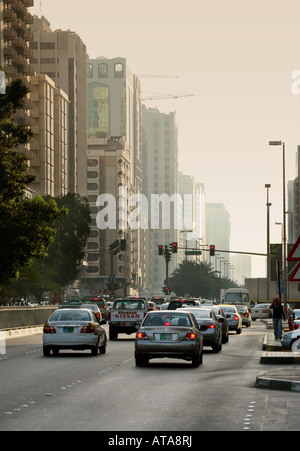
{"x":75,"y":329}
{"x":261,"y":311}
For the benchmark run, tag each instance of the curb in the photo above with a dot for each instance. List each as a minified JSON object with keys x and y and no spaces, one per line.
{"x":263,"y":381}
{"x":21,"y":332}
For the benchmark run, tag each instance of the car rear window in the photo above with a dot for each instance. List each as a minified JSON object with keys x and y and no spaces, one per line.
{"x":228,"y":309}
{"x":166,"y":319}
{"x":129,"y":305}
{"x":76,"y":315}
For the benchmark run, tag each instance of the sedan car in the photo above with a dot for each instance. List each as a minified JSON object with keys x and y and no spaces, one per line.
{"x":75,"y":329}
{"x":233,"y":317}
{"x":172,"y":334}
{"x":289,"y":339}
{"x":209,"y":326}
{"x":245,"y":314}
{"x":261,"y":311}
{"x":95,"y":309}
{"x":222,"y":320}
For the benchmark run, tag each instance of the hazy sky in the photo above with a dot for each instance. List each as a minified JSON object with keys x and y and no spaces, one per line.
{"x":237,"y":58}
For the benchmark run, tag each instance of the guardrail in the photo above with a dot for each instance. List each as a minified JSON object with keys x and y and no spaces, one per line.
{"x":18,"y":317}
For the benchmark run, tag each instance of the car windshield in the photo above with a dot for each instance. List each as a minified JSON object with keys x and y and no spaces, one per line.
{"x":129,"y":304}
{"x":167,"y":319}
{"x":262,"y":306}
{"x":71,"y":315}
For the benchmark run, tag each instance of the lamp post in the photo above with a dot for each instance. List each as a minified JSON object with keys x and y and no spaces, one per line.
{"x":268,"y":186}
{"x":281,"y":143}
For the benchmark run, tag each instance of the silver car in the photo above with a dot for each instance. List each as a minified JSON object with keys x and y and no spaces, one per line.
{"x":76,"y":329}
{"x":289,"y":339}
{"x":169,"y":333}
{"x":233,"y":317}
{"x":209,"y":326}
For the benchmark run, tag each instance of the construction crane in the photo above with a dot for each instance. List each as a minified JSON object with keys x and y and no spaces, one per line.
{"x":166,"y":96}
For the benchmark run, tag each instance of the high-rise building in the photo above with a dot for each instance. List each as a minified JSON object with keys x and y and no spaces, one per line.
{"x":62,"y":56}
{"x":193,"y":233}
{"x":160,"y":178}
{"x":218,"y":234}
{"x":114,"y":169}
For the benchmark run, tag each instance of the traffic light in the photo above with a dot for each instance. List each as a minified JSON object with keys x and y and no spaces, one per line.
{"x":165,"y":290}
{"x":174,"y":248}
{"x":123,"y":246}
{"x":160,"y":250}
{"x":212,"y":250}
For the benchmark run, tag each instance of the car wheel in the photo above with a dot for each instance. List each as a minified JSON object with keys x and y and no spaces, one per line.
{"x":46,"y":351}
{"x":94,"y":350}
{"x":102,"y":349}
{"x":113,"y":335}
{"x":217,"y":348}
{"x":197,"y":360}
{"x":55,"y":351}
{"x":239,"y":331}
{"x":141,"y":360}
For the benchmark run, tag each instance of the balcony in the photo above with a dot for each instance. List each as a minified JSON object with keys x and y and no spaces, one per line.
{"x":28,"y":3}
{"x":19,"y":42}
{"x":9,"y":33}
{"x":9,"y":51}
{"x":9,"y":15}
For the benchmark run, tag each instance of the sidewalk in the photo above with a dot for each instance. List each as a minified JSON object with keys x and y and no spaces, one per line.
{"x":285,"y":377}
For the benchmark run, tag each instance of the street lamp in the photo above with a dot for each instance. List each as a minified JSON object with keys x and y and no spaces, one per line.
{"x":268,"y":186}
{"x":281,"y":143}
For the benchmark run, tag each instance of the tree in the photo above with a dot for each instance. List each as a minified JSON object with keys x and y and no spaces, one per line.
{"x":197,"y":280}
{"x":27,"y":226}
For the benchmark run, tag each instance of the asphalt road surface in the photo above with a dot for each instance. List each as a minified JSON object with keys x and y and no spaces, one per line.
{"x":75,"y":391}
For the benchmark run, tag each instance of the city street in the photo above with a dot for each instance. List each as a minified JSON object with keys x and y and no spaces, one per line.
{"x":77,"y":392}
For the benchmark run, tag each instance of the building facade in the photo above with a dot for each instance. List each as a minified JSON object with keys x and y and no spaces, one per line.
{"x":50,"y":144}
{"x":62,"y":56}
{"x":218,"y":234}
{"x":160,"y":177}
{"x":114,"y":169}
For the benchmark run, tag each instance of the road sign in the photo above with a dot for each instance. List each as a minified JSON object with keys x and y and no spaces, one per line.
{"x":294,"y":255}
{"x":295,"y":276}
{"x":112,"y":278}
{"x":281,"y":287}
{"x":193,"y":252}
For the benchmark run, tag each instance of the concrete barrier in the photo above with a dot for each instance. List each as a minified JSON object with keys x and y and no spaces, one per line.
{"x":23,"y":317}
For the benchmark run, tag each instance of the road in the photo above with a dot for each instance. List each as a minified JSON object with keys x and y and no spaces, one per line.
{"x":75,"y":391}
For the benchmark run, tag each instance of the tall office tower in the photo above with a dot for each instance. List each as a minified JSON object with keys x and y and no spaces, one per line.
{"x":62,"y":56}
{"x":160,"y":178}
{"x":15,"y":53}
{"x":114,"y":169}
{"x":218,"y":233}
{"x":50,"y":143}
{"x":193,"y":230}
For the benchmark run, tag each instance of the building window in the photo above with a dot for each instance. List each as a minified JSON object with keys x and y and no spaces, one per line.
{"x":89,"y":70}
{"x":102,"y":70}
{"x":119,"y":70}
{"x":98,"y":110}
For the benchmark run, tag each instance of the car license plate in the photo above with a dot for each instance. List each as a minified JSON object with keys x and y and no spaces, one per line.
{"x":166,"y":337}
{"x":68,"y":330}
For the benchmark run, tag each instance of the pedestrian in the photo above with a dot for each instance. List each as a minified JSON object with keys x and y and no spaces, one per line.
{"x":278,"y":316}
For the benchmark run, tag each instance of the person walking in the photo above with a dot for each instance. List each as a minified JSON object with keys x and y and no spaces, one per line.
{"x":278,"y":316}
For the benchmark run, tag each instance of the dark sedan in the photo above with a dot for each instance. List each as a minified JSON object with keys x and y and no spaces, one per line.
{"x":172,"y":334}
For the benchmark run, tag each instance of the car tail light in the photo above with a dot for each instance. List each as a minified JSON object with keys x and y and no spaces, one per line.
{"x":49,"y":329}
{"x":167,"y":324}
{"x":236,"y":318}
{"x":108,"y":316}
{"x":296,"y":326}
{"x":89,"y":329}
{"x":141,"y":335}
{"x":246,"y":314}
{"x":191,"y":336}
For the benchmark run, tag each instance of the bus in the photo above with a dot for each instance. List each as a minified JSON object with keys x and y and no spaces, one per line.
{"x":237,"y":296}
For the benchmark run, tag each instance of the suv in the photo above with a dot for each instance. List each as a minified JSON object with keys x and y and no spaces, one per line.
{"x":179,"y":303}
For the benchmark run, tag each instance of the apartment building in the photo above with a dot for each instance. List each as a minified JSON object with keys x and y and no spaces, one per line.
{"x":15,"y":53}
{"x":62,"y":56}
{"x":218,"y":233}
{"x":50,"y":144}
{"x":160,"y":177}
{"x":114,"y":169}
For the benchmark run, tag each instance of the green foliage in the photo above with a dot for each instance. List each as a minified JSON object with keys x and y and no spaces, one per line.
{"x":197,"y":280}
{"x":27,"y":226}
